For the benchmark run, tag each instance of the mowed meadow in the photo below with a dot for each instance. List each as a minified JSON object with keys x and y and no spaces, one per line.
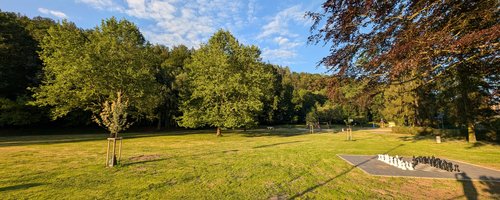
{"x":255,"y":164}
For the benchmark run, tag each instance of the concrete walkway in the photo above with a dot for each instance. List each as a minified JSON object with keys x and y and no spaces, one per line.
{"x":372,"y":166}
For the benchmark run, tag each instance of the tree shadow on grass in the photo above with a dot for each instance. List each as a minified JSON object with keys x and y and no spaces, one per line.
{"x":20,"y":187}
{"x":288,"y":132}
{"x":276,"y":132}
{"x":143,"y":162}
{"x":43,"y":141}
{"x":492,"y":186}
{"x":475,"y":145}
{"x":416,"y":138}
{"x":412,"y":138}
{"x":470,"y":192}
{"x":310,"y":189}
{"x":276,"y":144}
{"x":155,"y":158}
{"x":72,"y":138}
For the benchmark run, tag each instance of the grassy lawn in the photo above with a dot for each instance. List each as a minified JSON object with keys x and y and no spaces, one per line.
{"x":257,"y":164}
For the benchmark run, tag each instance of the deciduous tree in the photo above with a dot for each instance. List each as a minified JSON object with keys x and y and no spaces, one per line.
{"x":433,"y":39}
{"x":86,"y":68}
{"x":227,"y":82}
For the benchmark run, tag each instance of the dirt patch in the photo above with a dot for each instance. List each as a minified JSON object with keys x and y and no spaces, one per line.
{"x":145,"y":157}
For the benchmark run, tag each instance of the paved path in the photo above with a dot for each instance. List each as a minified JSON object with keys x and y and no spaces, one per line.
{"x":371,"y":165}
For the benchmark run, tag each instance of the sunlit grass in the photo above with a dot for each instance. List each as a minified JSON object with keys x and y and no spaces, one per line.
{"x":256,"y":164}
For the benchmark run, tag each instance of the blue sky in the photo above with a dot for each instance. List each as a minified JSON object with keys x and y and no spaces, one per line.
{"x":277,"y":27}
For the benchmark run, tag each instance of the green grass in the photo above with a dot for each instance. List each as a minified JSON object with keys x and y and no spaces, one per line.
{"x":281,"y":164}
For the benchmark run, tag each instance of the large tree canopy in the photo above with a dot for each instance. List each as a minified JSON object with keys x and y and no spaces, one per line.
{"x":227,"y":82}
{"x":445,"y":44}
{"x":86,"y":68}
{"x":429,"y":35}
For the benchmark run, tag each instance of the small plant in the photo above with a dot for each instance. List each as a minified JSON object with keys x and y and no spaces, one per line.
{"x":114,"y":118}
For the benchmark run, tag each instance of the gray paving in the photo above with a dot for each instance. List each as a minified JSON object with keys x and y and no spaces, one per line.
{"x":372,"y":166}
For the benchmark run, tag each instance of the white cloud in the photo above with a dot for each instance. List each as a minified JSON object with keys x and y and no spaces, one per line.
{"x":277,"y":31}
{"x":55,"y":13}
{"x":279,"y":23}
{"x":278,"y":54}
{"x":102,"y":4}
{"x":252,"y":7}
{"x":284,"y":42}
{"x":185,"y":22}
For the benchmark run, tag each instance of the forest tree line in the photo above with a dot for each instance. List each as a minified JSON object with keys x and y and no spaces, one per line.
{"x":57,"y":73}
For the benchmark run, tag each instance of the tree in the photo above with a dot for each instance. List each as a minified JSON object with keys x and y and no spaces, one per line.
{"x":401,"y":101}
{"x":312,"y":118}
{"x":20,"y":67}
{"x":285,"y":109}
{"x":114,"y":115}
{"x":171,"y":75}
{"x":227,"y":82}
{"x":433,"y":39}
{"x":87,"y":68}
{"x":271,"y":97}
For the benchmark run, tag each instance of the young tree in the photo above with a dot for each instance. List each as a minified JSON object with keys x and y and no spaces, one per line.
{"x":227,"y":82}
{"x":114,"y":115}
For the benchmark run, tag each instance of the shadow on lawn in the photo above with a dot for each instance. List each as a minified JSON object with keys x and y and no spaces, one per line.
{"x":310,"y":189}
{"x":475,"y":145}
{"x":492,"y":187}
{"x":276,"y":144}
{"x":470,"y":191}
{"x":71,"y":138}
{"x":288,"y":132}
{"x":156,"y":158}
{"x":276,"y":132}
{"x":19,"y":187}
{"x":416,"y":138}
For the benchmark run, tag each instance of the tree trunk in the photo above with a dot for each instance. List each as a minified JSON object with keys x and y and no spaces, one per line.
{"x":158,"y":127}
{"x":471,"y":133}
{"x":114,"y":150}
{"x":113,"y":160}
{"x":219,"y":134}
